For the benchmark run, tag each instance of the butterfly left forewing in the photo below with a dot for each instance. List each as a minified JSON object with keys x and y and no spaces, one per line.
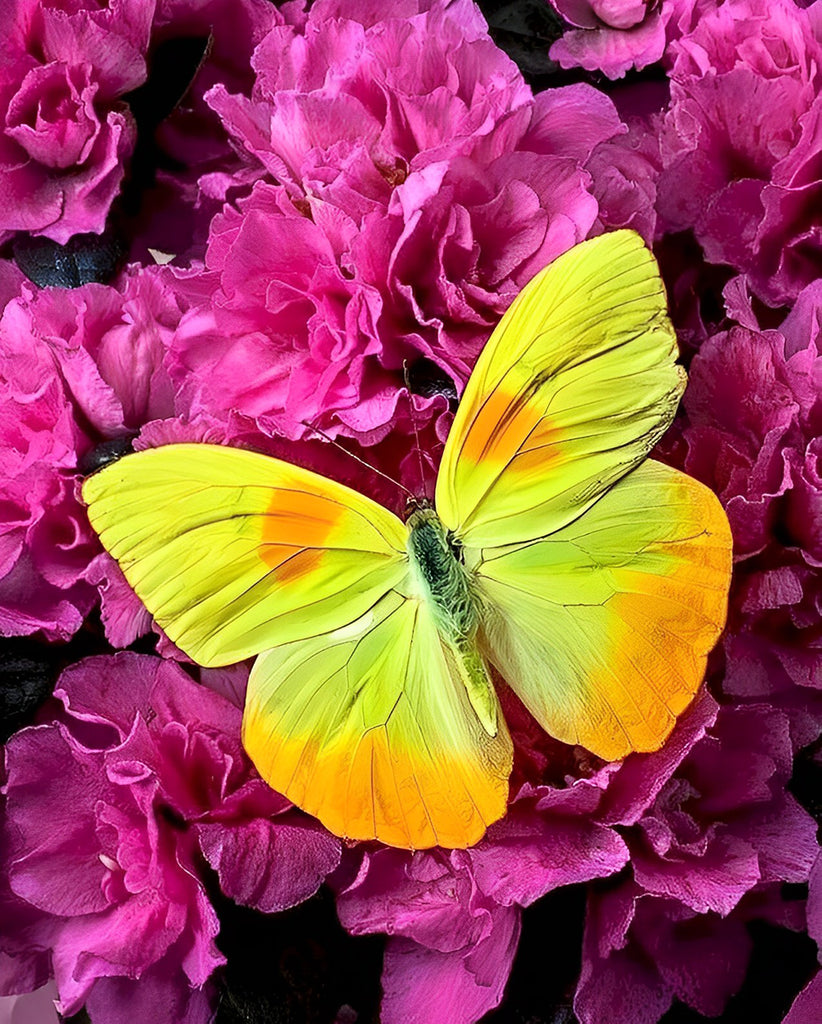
{"x":603,"y":628}
{"x":370,"y":729}
{"x":233,"y":552}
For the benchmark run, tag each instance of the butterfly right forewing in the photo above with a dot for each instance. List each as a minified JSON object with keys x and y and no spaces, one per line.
{"x":573,"y":389}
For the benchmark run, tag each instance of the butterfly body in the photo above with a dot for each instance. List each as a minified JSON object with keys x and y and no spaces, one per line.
{"x":439,"y":577}
{"x":593,"y":579}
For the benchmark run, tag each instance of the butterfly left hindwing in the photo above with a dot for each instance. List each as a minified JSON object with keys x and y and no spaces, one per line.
{"x":369,"y":728}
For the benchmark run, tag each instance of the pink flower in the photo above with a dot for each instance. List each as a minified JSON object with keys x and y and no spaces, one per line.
{"x":724,"y":822}
{"x":287,"y":334}
{"x":701,"y":820}
{"x":344,"y":105}
{"x":449,"y":944}
{"x":613,"y":36}
{"x":721,"y":825}
{"x":66,"y":135}
{"x":746,"y":185}
{"x":625,"y":170}
{"x":76,"y":368}
{"x":110,"y":807}
{"x":805,"y":1008}
{"x":752,"y":435}
{"x":404,"y":149}
{"x":610,"y":36}
{"x":27,"y":934}
{"x":639,"y":952}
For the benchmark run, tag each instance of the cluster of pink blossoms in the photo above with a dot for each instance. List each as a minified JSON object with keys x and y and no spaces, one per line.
{"x":345,"y":196}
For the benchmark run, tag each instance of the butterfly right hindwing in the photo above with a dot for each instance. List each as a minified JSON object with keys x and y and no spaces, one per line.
{"x":603,"y":628}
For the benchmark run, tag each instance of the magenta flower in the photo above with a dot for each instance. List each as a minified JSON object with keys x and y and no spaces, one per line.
{"x":25,"y":940}
{"x":625,"y":171}
{"x":453,"y":919}
{"x":609,"y":35}
{"x":638,"y":953}
{"x":719,"y":827}
{"x":76,"y":368}
{"x":175,"y":210}
{"x":65,"y":133}
{"x":614,"y":36}
{"x":449,"y":945}
{"x":747,"y":185}
{"x":110,"y":807}
{"x":411,"y":184}
{"x":345,"y":103}
{"x":752,"y":435}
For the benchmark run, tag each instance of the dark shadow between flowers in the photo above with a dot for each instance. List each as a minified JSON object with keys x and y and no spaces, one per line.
{"x":546,"y":966}
{"x":782,"y":962}
{"x":29,"y":669}
{"x":295,"y":967}
{"x":525,"y":30}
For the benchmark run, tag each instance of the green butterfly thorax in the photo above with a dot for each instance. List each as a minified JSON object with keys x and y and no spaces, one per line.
{"x":441,"y":577}
{"x":441,"y":580}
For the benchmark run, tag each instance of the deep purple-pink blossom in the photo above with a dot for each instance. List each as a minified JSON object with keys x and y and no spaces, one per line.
{"x":110,"y":807}
{"x":740,"y":143}
{"x":77,"y":367}
{"x":66,"y":133}
{"x":407,"y":184}
{"x":752,"y":435}
{"x":719,"y":827}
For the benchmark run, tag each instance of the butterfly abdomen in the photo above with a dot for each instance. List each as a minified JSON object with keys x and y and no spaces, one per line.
{"x":443,"y":582}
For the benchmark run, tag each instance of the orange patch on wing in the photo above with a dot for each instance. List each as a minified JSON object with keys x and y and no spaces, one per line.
{"x":661,"y":629}
{"x":294,"y":568}
{"x":543,"y":448}
{"x":296,"y":520}
{"x":362,"y":787}
{"x":500,"y":426}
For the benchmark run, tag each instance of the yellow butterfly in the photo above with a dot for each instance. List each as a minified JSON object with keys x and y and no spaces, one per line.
{"x":595,"y":581}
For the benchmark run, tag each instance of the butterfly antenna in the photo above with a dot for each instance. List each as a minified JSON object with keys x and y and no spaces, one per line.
{"x":412,"y":410}
{"x":357,"y":458}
